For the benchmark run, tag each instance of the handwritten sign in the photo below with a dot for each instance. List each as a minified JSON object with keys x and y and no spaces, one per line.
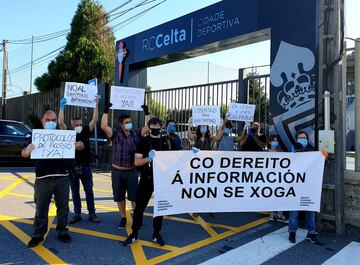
{"x":127,"y":98}
{"x":206,"y":115}
{"x":53,"y":144}
{"x":82,"y":95}
{"x":241,"y":112}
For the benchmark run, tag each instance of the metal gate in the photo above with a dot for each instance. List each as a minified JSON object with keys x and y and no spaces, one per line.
{"x":176,"y":103}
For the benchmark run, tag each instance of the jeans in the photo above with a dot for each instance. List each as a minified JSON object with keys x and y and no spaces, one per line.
{"x":310,"y":221}
{"x":87,"y":181}
{"x":44,"y":189}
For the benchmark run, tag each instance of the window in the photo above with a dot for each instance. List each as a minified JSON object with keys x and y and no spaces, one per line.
{"x":14,"y":130}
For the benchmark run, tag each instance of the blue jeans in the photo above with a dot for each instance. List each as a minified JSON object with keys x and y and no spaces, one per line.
{"x":310,"y":221}
{"x":87,"y":181}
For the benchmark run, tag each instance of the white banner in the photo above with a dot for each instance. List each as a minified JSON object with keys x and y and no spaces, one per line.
{"x":127,"y":98}
{"x":53,"y":144}
{"x":228,"y":181}
{"x":82,"y":95}
{"x":206,"y":115}
{"x":241,"y":112}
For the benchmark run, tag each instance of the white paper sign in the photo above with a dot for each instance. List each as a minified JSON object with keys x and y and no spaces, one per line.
{"x":53,"y":144}
{"x":82,"y":95}
{"x":127,"y":98}
{"x":241,"y":112}
{"x":206,"y":115}
{"x":228,"y":181}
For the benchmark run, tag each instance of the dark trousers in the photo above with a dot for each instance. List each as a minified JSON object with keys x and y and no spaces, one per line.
{"x":86,"y":179}
{"x":144,"y":192}
{"x":44,"y":189}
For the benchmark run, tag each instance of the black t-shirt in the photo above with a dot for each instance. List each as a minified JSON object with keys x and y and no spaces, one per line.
{"x":52,"y":167}
{"x":251,"y":145}
{"x":83,"y":156}
{"x":144,"y":146}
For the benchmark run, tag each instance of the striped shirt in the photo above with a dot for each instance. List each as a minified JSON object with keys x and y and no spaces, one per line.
{"x":123,"y":147}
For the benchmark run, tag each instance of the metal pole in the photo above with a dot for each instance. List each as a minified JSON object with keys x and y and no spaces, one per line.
{"x":357,"y":104}
{"x":327,"y":110}
{"x":32,"y":61}
{"x":4,"y":84}
{"x":208,"y":72}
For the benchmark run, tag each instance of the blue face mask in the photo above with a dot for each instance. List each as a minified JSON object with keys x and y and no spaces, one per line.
{"x":227,"y":131}
{"x":274,"y":144}
{"x":203,"y":130}
{"x":50,"y":125}
{"x":303,"y":142}
{"x":128,"y":126}
{"x":171,"y":128}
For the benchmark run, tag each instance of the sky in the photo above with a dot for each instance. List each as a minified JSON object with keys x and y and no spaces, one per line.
{"x":23,"y":19}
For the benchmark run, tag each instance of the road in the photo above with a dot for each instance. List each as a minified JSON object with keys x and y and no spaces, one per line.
{"x":233,"y":238}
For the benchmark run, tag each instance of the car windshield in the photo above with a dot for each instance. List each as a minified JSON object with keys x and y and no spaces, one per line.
{"x":15,"y":129}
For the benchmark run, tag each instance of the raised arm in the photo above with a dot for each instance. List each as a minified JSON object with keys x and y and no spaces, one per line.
{"x":95,"y":117}
{"x":104,"y":121}
{"x":190,"y":135}
{"x":61,"y":118}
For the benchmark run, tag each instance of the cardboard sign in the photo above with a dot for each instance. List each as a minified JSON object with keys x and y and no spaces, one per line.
{"x":82,"y":95}
{"x":206,"y":115}
{"x":53,"y":144}
{"x":127,"y":98}
{"x":229,"y":181}
{"x":241,"y":112}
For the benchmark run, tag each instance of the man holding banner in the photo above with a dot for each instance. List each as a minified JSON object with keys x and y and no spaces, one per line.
{"x":52,"y":178}
{"x":302,"y":139}
{"x":81,"y":169}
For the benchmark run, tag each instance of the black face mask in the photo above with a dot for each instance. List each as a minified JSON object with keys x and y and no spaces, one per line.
{"x":155,"y":133}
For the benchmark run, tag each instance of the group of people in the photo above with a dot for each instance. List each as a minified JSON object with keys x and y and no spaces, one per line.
{"x":133,"y":150}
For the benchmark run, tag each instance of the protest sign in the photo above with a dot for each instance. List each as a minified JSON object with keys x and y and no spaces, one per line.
{"x":53,"y":144}
{"x":206,"y":115}
{"x":127,"y":98}
{"x":82,"y":95}
{"x":241,"y":112}
{"x":228,"y":181}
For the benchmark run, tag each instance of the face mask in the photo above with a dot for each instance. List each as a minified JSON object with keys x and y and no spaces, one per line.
{"x":274,"y":144}
{"x":128,"y":126}
{"x":171,"y":128}
{"x":50,"y":125}
{"x":227,"y":131}
{"x":78,"y":129}
{"x":155,"y":133}
{"x":303,"y":142}
{"x":203,"y":130}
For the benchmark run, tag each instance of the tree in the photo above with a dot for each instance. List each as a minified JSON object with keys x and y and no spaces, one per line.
{"x":256,"y":92}
{"x":89,"y":51}
{"x":155,"y":107}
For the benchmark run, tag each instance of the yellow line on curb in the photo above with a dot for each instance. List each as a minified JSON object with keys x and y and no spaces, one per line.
{"x":12,"y":186}
{"x":20,"y":195}
{"x":40,"y":250}
{"x":102,"y":180}
{"x":206,"y":226}
{"x":51,"y":217}
{"x":205,"y":242}
{"x":11,"y":178}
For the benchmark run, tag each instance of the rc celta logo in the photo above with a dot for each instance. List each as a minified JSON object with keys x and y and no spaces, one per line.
{"x":163,"y":40}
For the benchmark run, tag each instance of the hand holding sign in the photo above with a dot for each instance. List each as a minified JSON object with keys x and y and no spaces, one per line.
{"x":241,"y":112}
{"x":206,"y":115}
{"x":127,"y":98}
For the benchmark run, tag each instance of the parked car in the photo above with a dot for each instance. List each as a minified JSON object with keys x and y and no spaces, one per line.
{"x":14,"y":136}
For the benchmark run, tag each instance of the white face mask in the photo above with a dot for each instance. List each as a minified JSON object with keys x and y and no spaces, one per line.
{"x":78,"y":129}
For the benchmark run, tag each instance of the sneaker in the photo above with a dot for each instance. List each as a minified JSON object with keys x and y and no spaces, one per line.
{"x":34,"y":241}
{"x":76,"y":218}
{"x":292,"y":237}
{"x":283,"y":219}
{"x":312,"y":238}
{"x":93,"y":218}
{"x":122,"y":224}
{"x":158,"y":240}
{"x":131,"y":239}
{"x":65,"y":238}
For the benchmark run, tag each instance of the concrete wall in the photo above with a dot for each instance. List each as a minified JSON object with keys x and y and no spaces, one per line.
{"x":352,"y":198}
